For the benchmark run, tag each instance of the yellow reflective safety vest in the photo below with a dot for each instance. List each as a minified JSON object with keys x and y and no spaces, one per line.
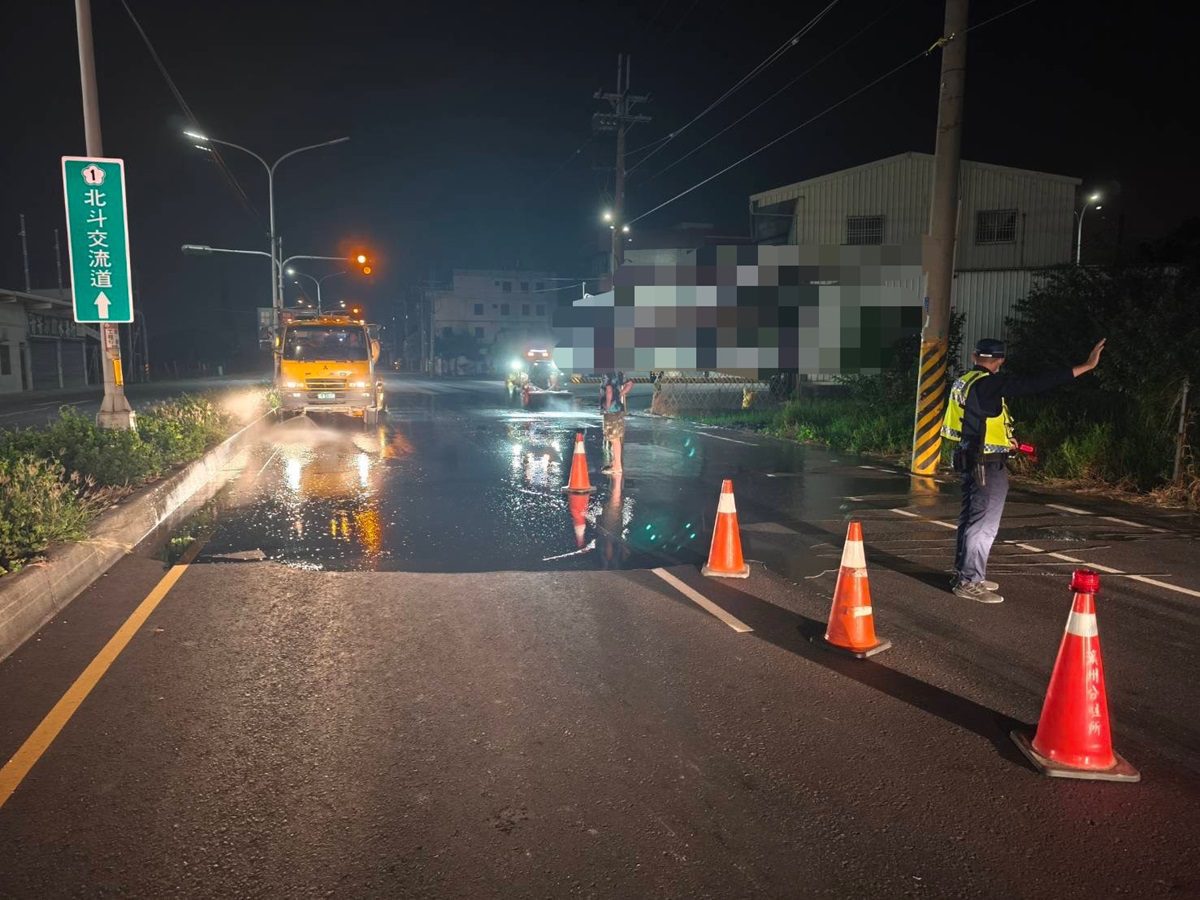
{"x":998,"y":431}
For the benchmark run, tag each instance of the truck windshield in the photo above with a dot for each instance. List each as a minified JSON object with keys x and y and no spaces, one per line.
{"x":312,"y":342}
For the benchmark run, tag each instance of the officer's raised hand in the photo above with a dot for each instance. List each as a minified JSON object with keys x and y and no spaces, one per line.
{"x":1093,"y":360}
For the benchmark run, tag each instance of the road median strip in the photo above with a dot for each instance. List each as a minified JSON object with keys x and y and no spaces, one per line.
{"x":33,"y":596}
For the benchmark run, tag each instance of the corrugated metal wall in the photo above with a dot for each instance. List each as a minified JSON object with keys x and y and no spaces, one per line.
{"x":987,"y":299}
{"x":899,"y":189}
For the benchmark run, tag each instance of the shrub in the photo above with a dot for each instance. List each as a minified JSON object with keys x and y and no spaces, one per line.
{"x":39,"y":504}
{"x":167,"y":435}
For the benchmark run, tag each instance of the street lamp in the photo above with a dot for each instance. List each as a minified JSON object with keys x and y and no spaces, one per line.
{"x":316,"y":281}
{"x":1090,"y":201}
{"x":276,"y":266}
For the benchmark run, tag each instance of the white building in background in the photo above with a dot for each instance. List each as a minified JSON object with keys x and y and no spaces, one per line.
{"x":1013,"y":225}
{"x":41,"y":345}
{"x":496,"y":307}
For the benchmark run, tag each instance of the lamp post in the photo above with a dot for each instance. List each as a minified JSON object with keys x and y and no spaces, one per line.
{"x":1093,"y":199}
{"x":317,"y":281}
{"x":276,"y":266}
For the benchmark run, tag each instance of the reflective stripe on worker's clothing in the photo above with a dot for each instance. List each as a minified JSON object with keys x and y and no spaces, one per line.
{"x":998,"y":430}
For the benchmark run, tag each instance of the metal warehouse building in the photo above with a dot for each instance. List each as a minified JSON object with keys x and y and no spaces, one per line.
{"x":1013,"y":224}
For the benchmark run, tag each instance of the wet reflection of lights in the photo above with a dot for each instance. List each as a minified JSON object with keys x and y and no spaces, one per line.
{"x":364,"y":469}
{"x":370,"y":530}
{"x":292,"y":470}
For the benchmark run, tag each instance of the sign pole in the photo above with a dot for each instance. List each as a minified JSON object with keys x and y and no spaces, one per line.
{"x":115,"y":411}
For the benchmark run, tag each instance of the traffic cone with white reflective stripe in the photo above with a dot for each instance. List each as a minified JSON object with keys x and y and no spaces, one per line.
{"x":851,"y":628}
{"x":1073,"y":739}
{"x":579,"y":483}
{"x":725,"y":551}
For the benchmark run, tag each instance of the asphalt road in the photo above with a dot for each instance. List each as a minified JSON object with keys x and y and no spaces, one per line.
{"x":399,"y":667}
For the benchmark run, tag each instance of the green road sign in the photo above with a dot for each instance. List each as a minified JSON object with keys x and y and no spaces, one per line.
{"x":98,"y":239}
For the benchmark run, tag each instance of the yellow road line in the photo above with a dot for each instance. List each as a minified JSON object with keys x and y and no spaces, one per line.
{"x":43,"y":736}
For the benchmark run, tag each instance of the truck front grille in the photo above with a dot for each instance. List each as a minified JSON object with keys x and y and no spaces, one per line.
{"x":325,"y":384}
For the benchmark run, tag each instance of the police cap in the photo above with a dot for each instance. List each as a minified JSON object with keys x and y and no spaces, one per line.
{"x":990,"y":348}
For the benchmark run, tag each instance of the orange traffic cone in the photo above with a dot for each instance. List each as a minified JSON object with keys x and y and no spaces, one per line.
{"x":579,"y":482}
{"x":851,"y":628}
{"x":725,"y":552}
{"x":1073,"y":739}
{"x":578,"y":504}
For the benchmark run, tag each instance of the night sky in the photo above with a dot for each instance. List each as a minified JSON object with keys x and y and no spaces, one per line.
{"x":464,"y":120}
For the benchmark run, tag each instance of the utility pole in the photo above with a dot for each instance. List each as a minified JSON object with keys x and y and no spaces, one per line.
{"x":25,"y":252}
{"x":619,"y":120}
{"x":58,"y":260}
{"x":938,"y":245}
{"x":115,"y":411}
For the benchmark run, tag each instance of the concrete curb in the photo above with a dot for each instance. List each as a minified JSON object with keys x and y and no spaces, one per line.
{"x":33,"y":596}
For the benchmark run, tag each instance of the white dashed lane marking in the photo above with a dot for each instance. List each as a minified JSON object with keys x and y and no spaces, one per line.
{"x":1030,"y":548}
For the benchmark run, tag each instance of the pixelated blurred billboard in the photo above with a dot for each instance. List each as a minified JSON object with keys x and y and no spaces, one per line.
{"x":752,"y":311}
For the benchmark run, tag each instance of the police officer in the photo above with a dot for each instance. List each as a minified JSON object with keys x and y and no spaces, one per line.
{"x":977,"y":418}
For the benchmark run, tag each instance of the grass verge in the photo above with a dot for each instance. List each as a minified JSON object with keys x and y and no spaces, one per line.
{"x":53,"y":480}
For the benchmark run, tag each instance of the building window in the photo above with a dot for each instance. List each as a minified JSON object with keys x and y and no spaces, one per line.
{"x":540,"y":286}
{"x":524,"y":309}
{"x":5,"y":360}
{"x":479,"y":309}
{"x":479,"y":333}
{"x":448,"y":331}
{"x":862,"y":230}
{"x":541,"y":310}
{"x":996,"y":226}
{"x":524,"y":287}
{"x":504,"y":309}
{"x":506,"y":287}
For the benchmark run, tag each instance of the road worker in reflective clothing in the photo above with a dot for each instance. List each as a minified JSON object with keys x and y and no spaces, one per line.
{"x":977,"y":418}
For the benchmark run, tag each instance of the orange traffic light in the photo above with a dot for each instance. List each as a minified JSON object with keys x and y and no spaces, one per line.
{"x":364,"y":263}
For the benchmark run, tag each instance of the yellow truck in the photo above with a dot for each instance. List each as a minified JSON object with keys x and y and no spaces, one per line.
{"x":327,"y":365}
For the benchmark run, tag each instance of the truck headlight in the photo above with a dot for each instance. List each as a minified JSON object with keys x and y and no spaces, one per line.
{"x":359,"y":384}
{"x":292,"y":384}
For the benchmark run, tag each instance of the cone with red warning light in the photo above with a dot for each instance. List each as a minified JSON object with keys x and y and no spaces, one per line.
{"x":725,"y":552}
{"x":579,"y":483}
{"x":1073,"y":739}
{"x":851,"y":628}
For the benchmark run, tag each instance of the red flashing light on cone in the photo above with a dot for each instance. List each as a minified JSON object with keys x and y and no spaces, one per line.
{"x":1073,"y":738}
{"x":851,"y":628}
{"x":579,"y":483}
{"x":725,"y":552}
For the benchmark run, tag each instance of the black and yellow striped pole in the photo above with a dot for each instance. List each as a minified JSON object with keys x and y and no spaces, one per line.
{"x":938,"y":247}
{"x":931,"y":402}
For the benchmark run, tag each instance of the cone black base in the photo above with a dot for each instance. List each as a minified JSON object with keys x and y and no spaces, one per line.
{"x":1122,"y":771}
{"x":846,"y":651}
{"x":744,"y":572}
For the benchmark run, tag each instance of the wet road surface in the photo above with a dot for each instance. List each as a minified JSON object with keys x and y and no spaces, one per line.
{"x":428,"y":675}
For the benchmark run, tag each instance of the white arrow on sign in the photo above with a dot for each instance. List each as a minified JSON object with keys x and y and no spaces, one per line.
{"x":102,"y":305}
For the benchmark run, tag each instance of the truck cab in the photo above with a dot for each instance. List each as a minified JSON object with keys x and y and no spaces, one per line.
{"x":327,"y":365}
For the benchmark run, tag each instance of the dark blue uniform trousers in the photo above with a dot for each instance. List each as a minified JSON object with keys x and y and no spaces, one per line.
{"x":979,"y":520}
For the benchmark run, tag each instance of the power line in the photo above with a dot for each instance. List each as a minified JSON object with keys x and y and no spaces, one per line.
{"x":187,"y":110}
{"x":786,"y":134}
{"x":747,"y":115}
{"x":908,"y":62}
{"x":745,"y":79}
